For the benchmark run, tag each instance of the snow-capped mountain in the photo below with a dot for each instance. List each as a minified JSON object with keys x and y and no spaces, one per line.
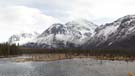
{"x":81,"y":33}
{"x":118,"y":34}
{"x":71,"y":34}
{"x":22,"y":38}
{"x":85,"y":27}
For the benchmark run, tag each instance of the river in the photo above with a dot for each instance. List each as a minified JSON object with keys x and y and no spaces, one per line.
{"x":68,"y":67}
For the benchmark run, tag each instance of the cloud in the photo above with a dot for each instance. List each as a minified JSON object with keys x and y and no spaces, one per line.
{"x":21,"y":18}
{"x":101,"y":11}
{"x":71,"y":9}
{"x":39,"y":14}
{"x":55,"y":8}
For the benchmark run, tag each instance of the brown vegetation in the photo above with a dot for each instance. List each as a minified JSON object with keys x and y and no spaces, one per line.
{"x":130,"y":74}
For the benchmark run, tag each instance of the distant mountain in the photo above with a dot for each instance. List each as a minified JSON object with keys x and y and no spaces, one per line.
{"x":71,"y":34}
{"x":119,"y":34}
{"x":81,"y":33}
{"x":22,"y":38}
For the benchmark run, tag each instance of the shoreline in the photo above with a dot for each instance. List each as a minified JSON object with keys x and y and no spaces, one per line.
{"x":55,"y":57}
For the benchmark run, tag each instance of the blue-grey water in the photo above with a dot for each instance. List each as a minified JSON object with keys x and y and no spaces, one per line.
{"x":69,"y":67}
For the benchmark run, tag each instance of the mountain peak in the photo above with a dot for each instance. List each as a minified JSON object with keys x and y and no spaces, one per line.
{"x":54,"y":29}
{"x":82,"y":25}
{"x":129,"y":16}
{"x":125,"y":18}
{"x":57,"y":25}
{"x":22,"y":37}
{"x":74,"y":32}
{"x":79,"y":22}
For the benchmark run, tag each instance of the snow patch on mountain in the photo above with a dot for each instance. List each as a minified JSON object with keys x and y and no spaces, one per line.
{"x":74,"y":32}
{"x":107,"y":31}
{"x":22,"y":38}
{"x":82,"y":25}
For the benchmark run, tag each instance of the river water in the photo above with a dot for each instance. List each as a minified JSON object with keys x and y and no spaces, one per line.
{"x":69,"y":67}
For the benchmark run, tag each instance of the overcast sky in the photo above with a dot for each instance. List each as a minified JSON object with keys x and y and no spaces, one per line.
{"x":37,"y":15}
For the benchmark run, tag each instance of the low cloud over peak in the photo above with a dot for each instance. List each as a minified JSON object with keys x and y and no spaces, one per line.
{"x":21,"y":18}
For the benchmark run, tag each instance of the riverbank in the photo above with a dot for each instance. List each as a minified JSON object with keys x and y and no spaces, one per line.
{"x":54,"y":57}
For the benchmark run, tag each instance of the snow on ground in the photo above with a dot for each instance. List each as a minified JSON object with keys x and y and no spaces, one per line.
{"x":69,"y":67}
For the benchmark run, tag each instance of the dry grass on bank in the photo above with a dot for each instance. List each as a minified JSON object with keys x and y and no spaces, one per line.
{"x":130,"y":74}
{"x":53,"y":57}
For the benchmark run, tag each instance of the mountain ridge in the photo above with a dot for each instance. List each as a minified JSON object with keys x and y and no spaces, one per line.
{"x":119,"y":31}
{"x":84,"y":34}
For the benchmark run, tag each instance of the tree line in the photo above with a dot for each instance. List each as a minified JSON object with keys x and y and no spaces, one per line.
{"x":7,"y":49}
{"x":90,"y":52}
